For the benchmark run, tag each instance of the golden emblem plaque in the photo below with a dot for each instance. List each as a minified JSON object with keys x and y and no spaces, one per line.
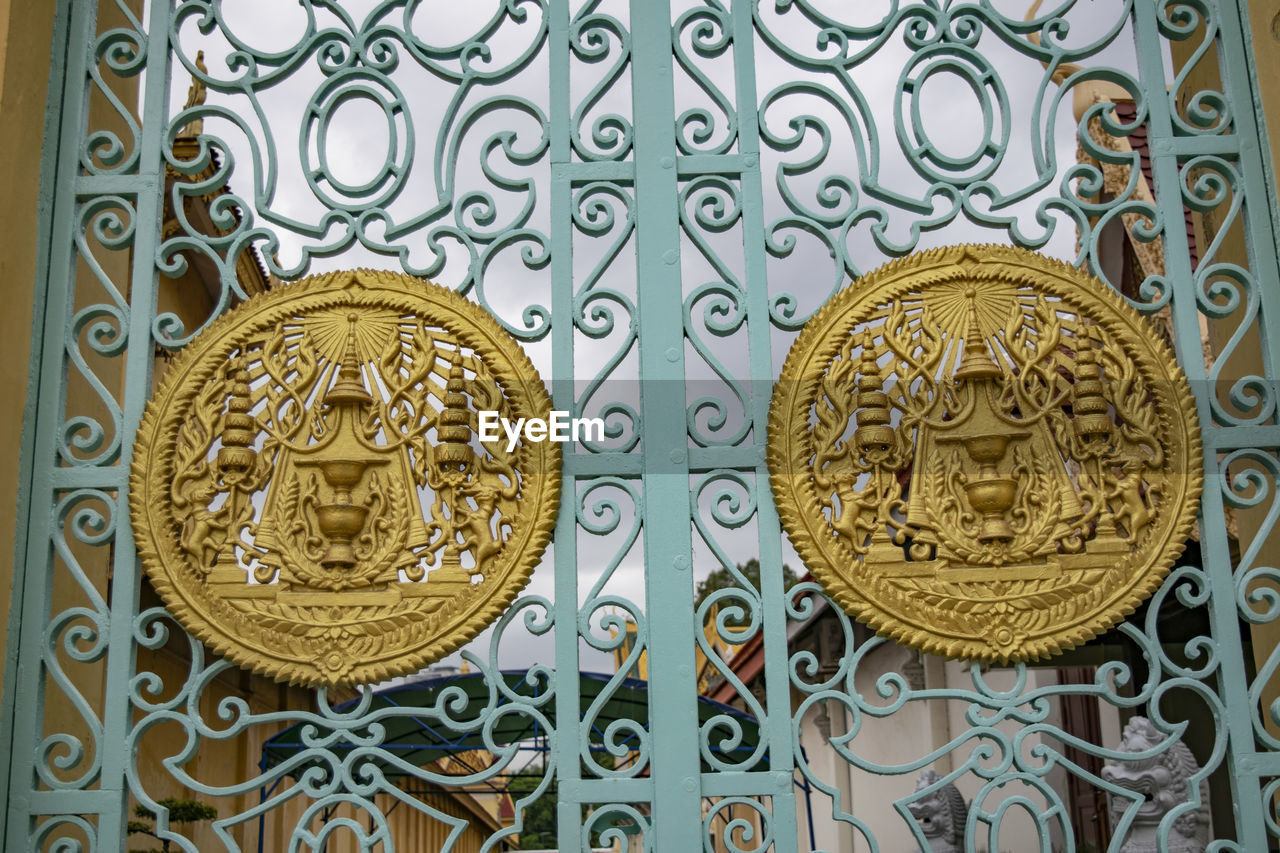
{"x":309,"y":494}
{"x":985,"y":454}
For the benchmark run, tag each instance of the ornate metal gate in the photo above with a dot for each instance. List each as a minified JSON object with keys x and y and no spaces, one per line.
{"x":653,"y":197}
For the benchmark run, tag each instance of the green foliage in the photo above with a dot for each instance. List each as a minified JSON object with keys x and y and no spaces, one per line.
{"x":539,"y":828}
{"x":180,"y":811}
{"x":538,"y":831}
{"x":722,"y":578}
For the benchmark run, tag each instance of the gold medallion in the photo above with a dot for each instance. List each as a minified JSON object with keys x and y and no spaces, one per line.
{"x":309,"y":494}
{"x":984,"y":453}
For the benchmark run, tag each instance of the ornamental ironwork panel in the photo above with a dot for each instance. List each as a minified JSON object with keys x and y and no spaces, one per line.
{"x":650,"y":199}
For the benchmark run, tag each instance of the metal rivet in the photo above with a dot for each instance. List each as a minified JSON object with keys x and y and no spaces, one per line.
{"x":680,"y":561}
{"x":673,"y":354}
{"x":750,"y":161}
{"x":781,"y":779}
{"x":677,"y":456}
{"x":670,"y":256}
{"x":667,"y":162}
{"x":690,"y":784}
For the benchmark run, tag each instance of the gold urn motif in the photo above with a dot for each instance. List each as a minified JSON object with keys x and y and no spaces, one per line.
{"x":984,"y":453}
{"x":309,"y":495}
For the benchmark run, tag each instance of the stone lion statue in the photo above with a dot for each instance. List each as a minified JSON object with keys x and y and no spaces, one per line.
{"x":1164,"y":781}
{"x":941,"y":815}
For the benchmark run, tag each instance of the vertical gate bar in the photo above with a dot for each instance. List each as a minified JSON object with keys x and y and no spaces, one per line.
{"x":1261,"y":223}
{"x":1233,"y":681}
{"x":673,"y":689}
{"x":1262,"y":239}
{"x":567,"y":700}
{"x":72,"y":35}
{"x":760,"y":375}
{"x":148,"y":214}
{"x":26,"y":486}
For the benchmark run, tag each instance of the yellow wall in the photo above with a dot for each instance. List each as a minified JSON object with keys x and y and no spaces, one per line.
{"x":27,"y":30}
{"x":1264,"y":24}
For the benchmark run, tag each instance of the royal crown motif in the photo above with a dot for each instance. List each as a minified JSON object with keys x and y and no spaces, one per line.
{"x":308,"y":495}
{"x":984,"y":453}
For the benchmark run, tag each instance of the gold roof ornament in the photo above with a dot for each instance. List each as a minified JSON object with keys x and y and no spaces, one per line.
{"x":984,"y":453}
{"x":308,"y":494}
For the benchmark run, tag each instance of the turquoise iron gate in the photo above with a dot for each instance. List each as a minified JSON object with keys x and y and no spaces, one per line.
{"x":654,"y":197}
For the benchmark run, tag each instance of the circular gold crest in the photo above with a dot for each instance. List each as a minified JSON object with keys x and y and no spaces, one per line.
{"x":984,"y":453}
{"x":310,"y":496}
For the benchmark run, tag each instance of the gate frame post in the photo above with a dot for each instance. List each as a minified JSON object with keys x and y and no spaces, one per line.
{"x":668,"y":535}
{"x":59,"y":47}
